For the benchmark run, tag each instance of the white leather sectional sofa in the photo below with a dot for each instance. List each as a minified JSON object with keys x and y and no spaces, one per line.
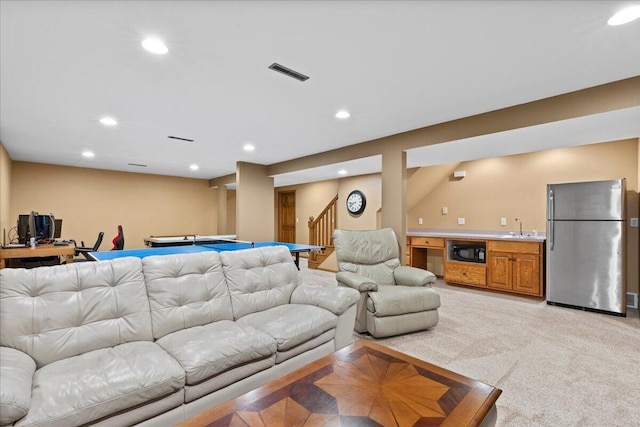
{"x":158,"y":340}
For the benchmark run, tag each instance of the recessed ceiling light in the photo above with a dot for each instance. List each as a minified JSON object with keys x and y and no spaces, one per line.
{"x":248,"y":148}
{"x":88,"y":154}
{"x":155,"y":46}
{"x":108,"y":121}
{"x":625,"y":15}
{"x":342,"y":172}
{"x":343,"y":114}
{"x":194,"y":167}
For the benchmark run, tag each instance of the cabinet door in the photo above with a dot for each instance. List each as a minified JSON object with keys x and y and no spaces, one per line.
{"x":526,"y":274}
{"x":499,"y":265}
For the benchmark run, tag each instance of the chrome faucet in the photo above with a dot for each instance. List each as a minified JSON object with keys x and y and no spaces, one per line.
{"x":520,"y":221}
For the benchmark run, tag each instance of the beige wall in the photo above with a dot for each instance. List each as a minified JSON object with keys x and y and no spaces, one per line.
{"x":6,"y":221}
{"x":515,"y":186}
{"x":90,"y":200}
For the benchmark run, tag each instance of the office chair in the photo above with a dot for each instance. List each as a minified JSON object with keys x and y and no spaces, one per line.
{"x":84,"y":250}
{"x":118,"y":241}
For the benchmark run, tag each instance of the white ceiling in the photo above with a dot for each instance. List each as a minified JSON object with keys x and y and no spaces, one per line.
{"x":395,"y":65}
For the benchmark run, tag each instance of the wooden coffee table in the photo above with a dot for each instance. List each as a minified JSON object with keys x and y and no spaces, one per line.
{"x":364,"y":384}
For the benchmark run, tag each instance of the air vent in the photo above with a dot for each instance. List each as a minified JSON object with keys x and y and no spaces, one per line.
{"x":137,"y":164}
{"x":632,"y":300}
{"x":180,"y":139}
{"x":288,"y":72}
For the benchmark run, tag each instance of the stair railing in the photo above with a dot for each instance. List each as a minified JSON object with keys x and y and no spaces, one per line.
{"x":321,"y":228}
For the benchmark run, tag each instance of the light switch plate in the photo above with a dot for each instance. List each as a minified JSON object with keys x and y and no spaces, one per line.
{"x":445,"y":211}
{"x":419,"y":221}
{"x":633,"y":222}
{"x":503,"y":221}
{"x":460,"y":221}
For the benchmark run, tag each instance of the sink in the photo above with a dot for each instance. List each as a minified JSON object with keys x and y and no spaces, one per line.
{"x":516,"y":236}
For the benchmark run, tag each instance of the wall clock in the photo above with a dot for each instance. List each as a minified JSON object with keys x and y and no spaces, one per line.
{"x":356,"y":202}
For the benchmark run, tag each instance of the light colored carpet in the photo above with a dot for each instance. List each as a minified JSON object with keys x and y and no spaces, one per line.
{"x":555,"y":366}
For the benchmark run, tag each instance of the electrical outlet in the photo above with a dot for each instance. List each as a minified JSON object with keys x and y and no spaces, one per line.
{"x":460,"y":221}
{"x":634,"y":222}
{"x":503,"y":221}
{"x":445,"y":211}
{"x":419,"y":221}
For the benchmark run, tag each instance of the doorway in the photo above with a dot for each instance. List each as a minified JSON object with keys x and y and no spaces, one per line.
{"x":287,"y":216}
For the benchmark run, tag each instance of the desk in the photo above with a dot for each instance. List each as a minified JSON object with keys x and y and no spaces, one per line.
{"x":40,"y":251}
{"x":294,"y":248}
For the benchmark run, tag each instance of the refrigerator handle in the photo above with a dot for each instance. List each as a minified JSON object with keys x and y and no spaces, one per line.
{"x":551,"y":221}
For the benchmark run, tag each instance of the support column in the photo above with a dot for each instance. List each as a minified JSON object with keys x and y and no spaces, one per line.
{"x":221,"y":204}
{"x":394,"y":195}
{"x":255,"y":206}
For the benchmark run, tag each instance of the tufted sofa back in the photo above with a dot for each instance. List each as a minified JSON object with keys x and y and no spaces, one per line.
{"x":259,"y":279}
{"x":186,"y":290}
{"x":53,"y":313}
{"x":369,"y":253}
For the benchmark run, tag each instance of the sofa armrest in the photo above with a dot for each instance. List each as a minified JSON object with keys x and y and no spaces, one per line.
{"x":16,"y":378}
{"x":335,"y":299}
{"x":355,"y":281}
{"x":412,"y":276}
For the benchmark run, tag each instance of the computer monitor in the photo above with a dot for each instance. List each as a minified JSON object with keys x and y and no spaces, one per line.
{"x":41,"y":227}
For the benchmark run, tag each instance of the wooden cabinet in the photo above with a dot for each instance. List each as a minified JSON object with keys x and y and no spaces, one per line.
{"x":465,"y":273}
{"x":515,"y":267}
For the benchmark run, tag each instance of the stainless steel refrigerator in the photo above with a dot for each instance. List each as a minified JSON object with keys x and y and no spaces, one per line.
{"x":585,"y":248}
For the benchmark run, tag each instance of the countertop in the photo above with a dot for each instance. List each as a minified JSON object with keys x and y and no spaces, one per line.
{"x":527,"y":236}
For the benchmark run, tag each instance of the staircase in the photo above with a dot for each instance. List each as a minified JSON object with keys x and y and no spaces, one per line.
{"x":321,"y":233}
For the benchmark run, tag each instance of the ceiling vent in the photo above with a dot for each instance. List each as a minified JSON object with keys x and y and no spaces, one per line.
{"x":180,"y":139}
{"x":288,"y":72}
{"x":137,"y":164}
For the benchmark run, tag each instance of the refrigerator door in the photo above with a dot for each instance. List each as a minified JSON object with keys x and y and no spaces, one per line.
{"x":598,"y":200}
{"x":585,"y":265}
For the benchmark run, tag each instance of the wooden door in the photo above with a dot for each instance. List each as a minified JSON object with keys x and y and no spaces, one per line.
{"x":526,"y":274}
{"x":287,"y":216}
{"x":499,"y":270}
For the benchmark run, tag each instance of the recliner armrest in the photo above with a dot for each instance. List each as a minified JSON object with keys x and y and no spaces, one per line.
{"x":16,"y":379}
{"x":355,"y":281}
{"x":335,"y":299}
{"x":412,"y":276}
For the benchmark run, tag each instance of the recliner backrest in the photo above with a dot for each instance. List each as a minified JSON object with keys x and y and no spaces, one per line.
{"x":369,"y":253}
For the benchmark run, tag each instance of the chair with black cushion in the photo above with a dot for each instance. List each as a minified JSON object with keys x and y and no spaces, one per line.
{"x":118,"y":241}
{"x":84,"y":250}
{"x":394,"y":299}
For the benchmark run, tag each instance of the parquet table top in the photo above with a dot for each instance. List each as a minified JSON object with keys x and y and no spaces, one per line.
{"x":364,"y":384}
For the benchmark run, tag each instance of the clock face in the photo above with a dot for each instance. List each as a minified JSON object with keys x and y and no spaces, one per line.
{"x":356,"y":202}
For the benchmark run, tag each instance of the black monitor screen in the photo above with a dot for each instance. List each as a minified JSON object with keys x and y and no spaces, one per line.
{"x":23,"y":229}
{"x":58,"y":233}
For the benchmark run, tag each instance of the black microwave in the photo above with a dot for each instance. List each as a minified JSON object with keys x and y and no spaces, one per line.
{"x":469,"y":253}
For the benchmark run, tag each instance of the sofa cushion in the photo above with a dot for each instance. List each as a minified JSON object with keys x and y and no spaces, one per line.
{"x":84,"y":388}
{"x":16,"y":375}
{"x":57,"y":312}
{"x":185,"y":290}
{"x":259,"y":278}
{"x":205,"y":351}
{"x":395,"y":300}
{"x":291,"y":324}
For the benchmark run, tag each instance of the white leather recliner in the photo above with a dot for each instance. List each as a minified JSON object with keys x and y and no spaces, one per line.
{"x":394,"y":299}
